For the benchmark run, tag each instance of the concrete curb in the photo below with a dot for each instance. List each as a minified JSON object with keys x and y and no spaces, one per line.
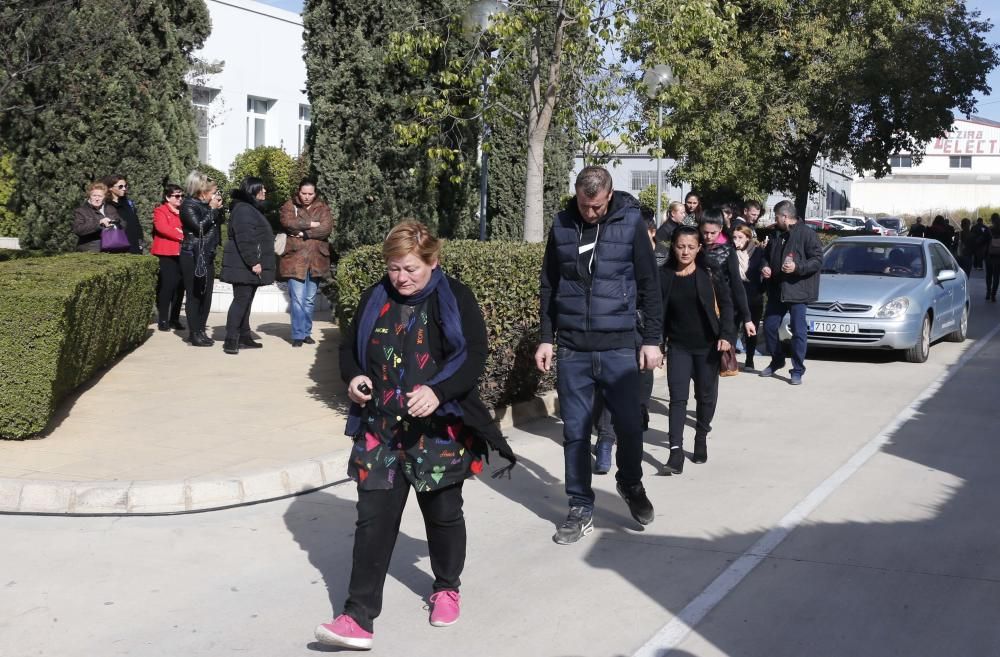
{"x":167,"y":497}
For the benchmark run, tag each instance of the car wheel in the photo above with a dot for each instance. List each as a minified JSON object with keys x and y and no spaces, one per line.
{"x":959,"y":334}
{"x":918,"y":353}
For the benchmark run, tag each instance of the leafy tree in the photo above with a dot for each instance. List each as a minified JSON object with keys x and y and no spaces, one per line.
{"x":542,"y":49}
{"x":767,"y":86}
{"x":371,"y":180}
{"x":272,"y":165}
{"x":99,"y":88}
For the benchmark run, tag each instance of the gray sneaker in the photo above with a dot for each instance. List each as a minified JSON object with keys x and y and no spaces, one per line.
{"x":578,"y":524}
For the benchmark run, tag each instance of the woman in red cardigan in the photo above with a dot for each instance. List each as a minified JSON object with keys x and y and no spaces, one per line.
{"x":167,"y":238}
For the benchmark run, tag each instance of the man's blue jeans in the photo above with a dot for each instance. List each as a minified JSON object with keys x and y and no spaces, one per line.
{"x":614,"y":375}
{"x":303,"y":297}
{"x":773,"y":315}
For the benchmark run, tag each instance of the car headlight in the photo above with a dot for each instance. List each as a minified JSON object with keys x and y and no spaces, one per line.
{"x":893,"y":309}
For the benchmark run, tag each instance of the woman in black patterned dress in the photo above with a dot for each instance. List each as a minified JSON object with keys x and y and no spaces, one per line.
{"x":412,"y":357}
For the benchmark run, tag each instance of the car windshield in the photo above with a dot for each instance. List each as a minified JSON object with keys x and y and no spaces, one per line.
{"x":895,"y":224}
{"x":902,"y":260}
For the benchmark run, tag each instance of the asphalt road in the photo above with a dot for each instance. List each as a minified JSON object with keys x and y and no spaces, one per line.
{"x":854,"y":515}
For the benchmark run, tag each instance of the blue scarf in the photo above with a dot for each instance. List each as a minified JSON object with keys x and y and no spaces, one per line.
{"x":452,"y":326}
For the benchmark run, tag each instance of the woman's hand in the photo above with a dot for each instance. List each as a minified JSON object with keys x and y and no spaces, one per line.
{"x":750,"y":328}
{"x":422,"y":402}
{"x":314,"y":224}
{"x":216,"y":201}
{"x":356,"y":395}
{"x":723,"y":345}
{"x":105,"y":222}
{"x":257,"y":269}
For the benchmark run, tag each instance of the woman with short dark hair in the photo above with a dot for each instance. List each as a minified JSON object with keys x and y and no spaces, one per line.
{"x":247,"y":260}
{"x":118,"y":198}
{"x":167,"y":237}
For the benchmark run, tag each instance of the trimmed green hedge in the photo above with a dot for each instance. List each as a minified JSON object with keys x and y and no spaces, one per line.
{"x":504,"y":278}
{"x":62,"y":319}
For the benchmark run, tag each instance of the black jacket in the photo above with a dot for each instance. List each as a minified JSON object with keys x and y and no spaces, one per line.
{"x":201,"y":226}
{"x":725,"y":266}
{"x":711,"y":292}
{"x":564,"y":285}
{"x":754,"y":285}
{"x":250,"y":243}
{"x":133,"y":229}
{"x":802,"y":285}
{"x":87,"y":225}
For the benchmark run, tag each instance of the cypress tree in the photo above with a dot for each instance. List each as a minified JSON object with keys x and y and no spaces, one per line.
{"x":357,"y":94}
{"x":110,"y":99}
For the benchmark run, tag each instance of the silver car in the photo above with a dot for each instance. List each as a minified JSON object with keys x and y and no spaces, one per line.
{"x":889,"y":293}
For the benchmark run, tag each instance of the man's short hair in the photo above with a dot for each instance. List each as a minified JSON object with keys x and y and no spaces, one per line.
{"x":712,"y":216}
{"x":785,"y":209}
{"x":753,"y":204}
{"x":593,"y":180}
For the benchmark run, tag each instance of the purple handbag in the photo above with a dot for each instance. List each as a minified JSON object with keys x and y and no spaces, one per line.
{"x":114,"y":240}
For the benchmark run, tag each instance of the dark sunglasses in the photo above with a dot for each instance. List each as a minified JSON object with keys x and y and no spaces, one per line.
{"x":176,"y":196}
{"x":121,"y":186}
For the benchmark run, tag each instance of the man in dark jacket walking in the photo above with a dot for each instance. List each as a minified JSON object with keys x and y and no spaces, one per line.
{"x":598,"y":270}
{"x":792,"y":260}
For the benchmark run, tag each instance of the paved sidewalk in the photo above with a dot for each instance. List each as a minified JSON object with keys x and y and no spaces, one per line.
{"x":171,"y":427}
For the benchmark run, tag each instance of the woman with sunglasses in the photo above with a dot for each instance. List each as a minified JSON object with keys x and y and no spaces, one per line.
{"x":167,"y":237}
{"x":118,"y":199}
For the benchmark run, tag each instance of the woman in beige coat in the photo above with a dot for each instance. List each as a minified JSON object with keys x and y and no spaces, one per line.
{"x":308,"y":223}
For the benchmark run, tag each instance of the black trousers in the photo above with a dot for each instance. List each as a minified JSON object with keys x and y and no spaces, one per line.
{"x":169,"y":289}
{"x":198,"y":290}
{"x":379,"y":515}
{"x":682,"y":367}
{"x":756,"y":304}
{"x":238,"y":319}
{"x":992,"y":275}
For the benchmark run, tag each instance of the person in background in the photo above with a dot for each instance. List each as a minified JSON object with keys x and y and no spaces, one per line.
{"x":201,"y":220}
{"x":993,"y":259}
{"x":752,"y":211}
{"x":791,"y":270}
{"x":675,"y":217}
{"x":692,"y":205}
{"x":308,"y":222}
{"x":247,"y":260}
{"x":118,"y":198}
{"x":750,"y":258}
{"x":966,"y":247}
{"x":729,"y":215}
{"x":720,"y":255}
{"x":980,"y":242}
{"x":92,"y":217}
{"x":918,"y":229}
{"x":167,"y":238}
{"x":602,"y":416}
{"x":412,"y":357}
{"x":698,"y":325}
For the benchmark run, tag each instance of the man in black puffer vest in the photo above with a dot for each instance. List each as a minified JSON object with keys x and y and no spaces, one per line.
{"x":598,"y":270}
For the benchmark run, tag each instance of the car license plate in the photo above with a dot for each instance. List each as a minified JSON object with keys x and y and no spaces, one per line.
{"x":834,"y":327}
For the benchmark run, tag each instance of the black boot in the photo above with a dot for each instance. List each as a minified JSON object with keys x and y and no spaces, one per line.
{"x":206,"y":338}
{"x":675,"y":464}
{"x":248,"y":341}
{"x":199,"y":339}
{"x":162,"y":326}
{"x":700,"y":449}
{"x":231,"y":346}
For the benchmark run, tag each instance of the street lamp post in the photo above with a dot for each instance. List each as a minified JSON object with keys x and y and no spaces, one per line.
{"x":656,"y":80}
{"x":475,"y":22}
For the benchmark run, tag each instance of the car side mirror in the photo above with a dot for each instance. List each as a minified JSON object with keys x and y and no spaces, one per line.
{"x":946,"y":275}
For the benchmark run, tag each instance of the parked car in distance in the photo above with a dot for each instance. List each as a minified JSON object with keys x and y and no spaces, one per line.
{"x":895,"y":226}
{"x":873,"y":226}
{"x":856,"y":221}
{"x":828,"y":224}
{"x":889,"y":293}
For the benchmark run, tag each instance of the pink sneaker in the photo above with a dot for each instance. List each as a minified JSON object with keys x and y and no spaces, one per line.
{"x":345,"y":632}
{"x":444,"y":610}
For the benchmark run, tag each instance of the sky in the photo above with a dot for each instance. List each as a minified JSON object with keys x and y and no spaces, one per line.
{"x":989,"y":106}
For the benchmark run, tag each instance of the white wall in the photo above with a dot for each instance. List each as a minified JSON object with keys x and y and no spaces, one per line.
{"x":261,"y":47}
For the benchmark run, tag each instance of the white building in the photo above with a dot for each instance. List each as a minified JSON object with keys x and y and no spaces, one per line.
{"x":259,"y":97}
{"x":960,"y":171}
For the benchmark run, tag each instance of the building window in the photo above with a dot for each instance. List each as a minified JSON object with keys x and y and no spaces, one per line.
{"x":257,"y":109}
{"x":643,"y":179}
{"x":201,"y":98}
{"x":901,"y":161}
{"x":960,"y":161}
{"x":305,"y":120}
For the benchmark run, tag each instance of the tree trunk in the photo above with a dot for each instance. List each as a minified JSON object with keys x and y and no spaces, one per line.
{"x":534,"y":188}
{"x":803,"y":180}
